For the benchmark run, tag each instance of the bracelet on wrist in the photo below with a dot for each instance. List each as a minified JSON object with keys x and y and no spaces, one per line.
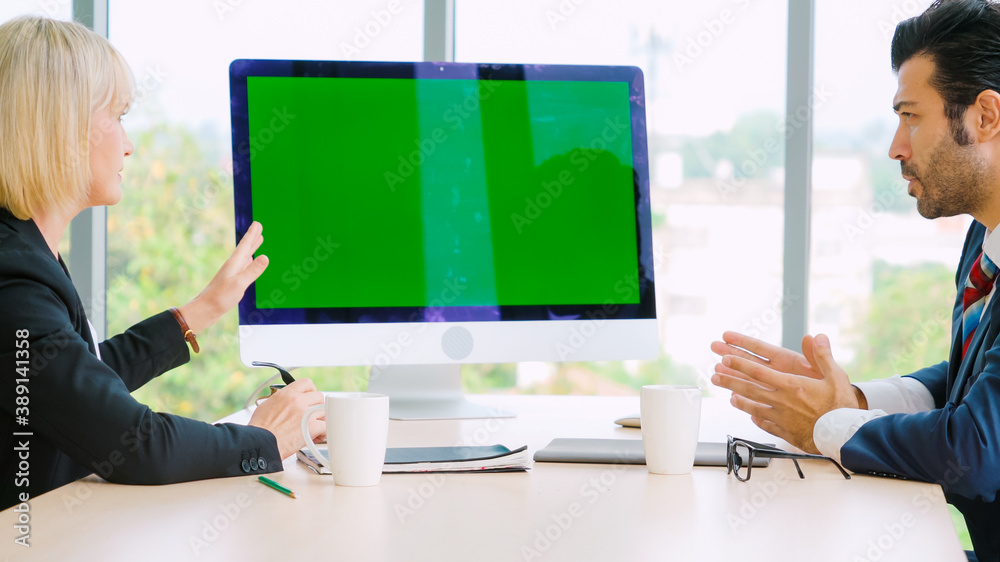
{"x":189,"y":336}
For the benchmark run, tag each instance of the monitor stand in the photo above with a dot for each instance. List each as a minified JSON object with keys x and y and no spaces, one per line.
{"x":427,"y":392}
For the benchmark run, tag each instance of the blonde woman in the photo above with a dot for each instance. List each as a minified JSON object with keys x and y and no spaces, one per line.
{"x":65,"y":404}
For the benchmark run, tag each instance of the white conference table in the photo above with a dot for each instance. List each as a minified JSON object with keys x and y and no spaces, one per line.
{"x":552,"y":512}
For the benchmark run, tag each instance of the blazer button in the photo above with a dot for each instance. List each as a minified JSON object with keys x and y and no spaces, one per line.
{"x":246,"y":465}
{"x":253,"y":463}
{"x":262,"y":463}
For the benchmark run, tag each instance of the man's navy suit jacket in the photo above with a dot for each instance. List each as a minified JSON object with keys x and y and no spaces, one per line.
{"x":956,"y":445}
{"x":80,"y":414}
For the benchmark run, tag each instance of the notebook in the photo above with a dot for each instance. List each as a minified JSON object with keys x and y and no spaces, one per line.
{"x":487,"y":458}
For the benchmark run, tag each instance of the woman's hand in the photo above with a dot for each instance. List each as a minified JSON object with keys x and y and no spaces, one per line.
{"x":226,"y":289}
{"x":281,"y":414}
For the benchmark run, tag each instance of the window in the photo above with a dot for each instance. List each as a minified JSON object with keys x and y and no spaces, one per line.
{"x":174,"y":226}
{"x":716,"y":159}
{"x":882,"y":277}
{"x":871,"y":251}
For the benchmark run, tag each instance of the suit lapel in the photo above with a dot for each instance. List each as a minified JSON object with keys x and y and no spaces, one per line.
{"x":84,"y":329}
{"x":955,"y":364}
{"x":972,"y":366}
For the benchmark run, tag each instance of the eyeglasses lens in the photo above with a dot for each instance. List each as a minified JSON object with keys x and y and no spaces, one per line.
{"x":741,"y":459}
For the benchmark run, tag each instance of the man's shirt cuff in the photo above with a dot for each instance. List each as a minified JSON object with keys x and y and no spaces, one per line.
{"x":897,"y":395}
{"x":836,"y":427}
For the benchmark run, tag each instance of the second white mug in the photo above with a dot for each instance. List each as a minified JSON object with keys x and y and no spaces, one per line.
{"x":670,"y":417}
{"x":357,"y":430}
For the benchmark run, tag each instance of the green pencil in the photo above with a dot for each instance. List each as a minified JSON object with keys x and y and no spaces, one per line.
{"x":276,"y":486}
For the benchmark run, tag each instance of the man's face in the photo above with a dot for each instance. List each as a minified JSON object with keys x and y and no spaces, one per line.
{"x":946,"y":177}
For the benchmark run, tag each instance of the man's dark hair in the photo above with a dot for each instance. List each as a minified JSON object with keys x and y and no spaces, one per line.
{"x":962,"y":37}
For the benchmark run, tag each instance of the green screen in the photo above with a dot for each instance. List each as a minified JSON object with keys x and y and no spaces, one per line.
{"x":384,"y":192}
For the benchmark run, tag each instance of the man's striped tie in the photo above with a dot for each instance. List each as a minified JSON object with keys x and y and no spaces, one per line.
{"x":977,"y":288}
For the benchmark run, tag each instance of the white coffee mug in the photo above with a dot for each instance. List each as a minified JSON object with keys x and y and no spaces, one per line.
{"x":670,"y":417}
{"x":357,"y":429}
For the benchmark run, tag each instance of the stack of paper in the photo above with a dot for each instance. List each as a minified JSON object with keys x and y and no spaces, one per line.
{"x":491,"y":458}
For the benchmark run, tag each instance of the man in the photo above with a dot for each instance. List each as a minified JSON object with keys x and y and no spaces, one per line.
{"x":942,"y":423}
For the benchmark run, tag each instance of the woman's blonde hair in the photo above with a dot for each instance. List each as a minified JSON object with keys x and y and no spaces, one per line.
{"x":53,"y":76}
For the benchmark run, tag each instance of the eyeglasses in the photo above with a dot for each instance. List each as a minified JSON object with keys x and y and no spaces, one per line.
{"x":741,"y":453}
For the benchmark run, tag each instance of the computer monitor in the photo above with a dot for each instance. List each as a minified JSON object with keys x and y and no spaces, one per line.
{"x":418,"y":216}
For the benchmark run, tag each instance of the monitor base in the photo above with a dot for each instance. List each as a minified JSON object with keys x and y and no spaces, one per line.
{"x":427,"y":392}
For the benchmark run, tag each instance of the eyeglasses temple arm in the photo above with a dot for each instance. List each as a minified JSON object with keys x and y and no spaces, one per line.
{"x":797,"y":469}
{"x":788,"y":455}
{"x":840,"y":468}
